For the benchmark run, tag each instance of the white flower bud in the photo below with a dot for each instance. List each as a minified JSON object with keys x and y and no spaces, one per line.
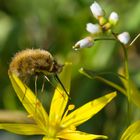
{"x":84,"y":43}
{"x":96,"y":10}
{"x":113,"y":18}
{"x":93,"y":28}
{"x":124,"y":37}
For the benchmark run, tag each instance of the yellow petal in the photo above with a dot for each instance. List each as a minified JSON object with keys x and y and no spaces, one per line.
{"x":78,"y":135}
{"x":132,"y":132}
{"x":46,"y":138}
{"x":29,"y":101}
{"x":88,"y":110}
{"x":60,"y":98}
{"x":22,"y":129}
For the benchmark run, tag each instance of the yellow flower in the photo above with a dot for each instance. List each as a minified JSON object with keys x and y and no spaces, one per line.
{"x":57,"y":125}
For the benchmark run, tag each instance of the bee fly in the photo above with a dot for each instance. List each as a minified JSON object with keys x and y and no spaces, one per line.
{"x":32,"y":62}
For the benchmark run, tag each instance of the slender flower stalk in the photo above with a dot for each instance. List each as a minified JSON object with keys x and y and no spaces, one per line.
{"x":122,"y":39}
{"x":58,"y":124}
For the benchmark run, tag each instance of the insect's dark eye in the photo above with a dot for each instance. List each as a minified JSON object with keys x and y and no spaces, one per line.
{"x":42,"y":68}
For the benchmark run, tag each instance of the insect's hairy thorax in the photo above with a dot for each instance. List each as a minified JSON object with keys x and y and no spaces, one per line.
{"x":33,"y":62}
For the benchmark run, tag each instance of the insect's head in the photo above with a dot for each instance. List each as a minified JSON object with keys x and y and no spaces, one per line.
{"x":56,"y":68}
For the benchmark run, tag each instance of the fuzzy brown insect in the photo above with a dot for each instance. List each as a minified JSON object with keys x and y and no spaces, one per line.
{"x":32,"y":62}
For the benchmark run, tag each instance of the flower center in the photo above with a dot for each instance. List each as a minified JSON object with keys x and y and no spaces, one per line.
{"x":53,"y":129}
{"x":55,"y":126}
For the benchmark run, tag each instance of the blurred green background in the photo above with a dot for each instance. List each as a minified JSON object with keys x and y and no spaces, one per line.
{"x":56,"y":25}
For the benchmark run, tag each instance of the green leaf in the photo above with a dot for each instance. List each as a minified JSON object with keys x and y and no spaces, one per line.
{"x":92,"y":75}
{"x":132,"y":132}
{"x":134,"y":92}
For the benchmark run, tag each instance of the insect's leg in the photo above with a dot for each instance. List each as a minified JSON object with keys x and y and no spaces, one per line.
{"x":43,"y":86}
{"x":42,"y":89}
{"x":36,"y":78}
{"x":25,"y":92}
{"x":57,"y":78}
{"x":36,"y":102}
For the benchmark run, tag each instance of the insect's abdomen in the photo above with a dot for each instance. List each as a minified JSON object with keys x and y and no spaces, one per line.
{"x":30,"y":62}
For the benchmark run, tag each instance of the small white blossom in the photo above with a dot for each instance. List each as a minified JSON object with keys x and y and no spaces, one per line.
{"x":124,"y":37}
{"x":113,"y":18}
{"x":96,"y":10}
{"x":93,"y":28}
{"x":84,"y":43}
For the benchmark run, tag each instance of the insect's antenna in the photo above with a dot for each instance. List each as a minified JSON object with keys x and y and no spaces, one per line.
{"x":25,"y":92}
{"x":57,"y":78}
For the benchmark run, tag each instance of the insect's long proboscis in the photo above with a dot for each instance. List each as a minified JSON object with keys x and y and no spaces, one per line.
{"x":58,"y":79}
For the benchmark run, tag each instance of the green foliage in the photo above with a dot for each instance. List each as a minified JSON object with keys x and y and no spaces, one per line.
{"x":56,"y":26}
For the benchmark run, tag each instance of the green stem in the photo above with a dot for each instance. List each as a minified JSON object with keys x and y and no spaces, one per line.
{"x":128,"y":82}
{"x":126,"y":72}
{"x":125,"y":65}
{"x":99,"y":39}
{"x":110,"y":83}
{"x":125,"y":50}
